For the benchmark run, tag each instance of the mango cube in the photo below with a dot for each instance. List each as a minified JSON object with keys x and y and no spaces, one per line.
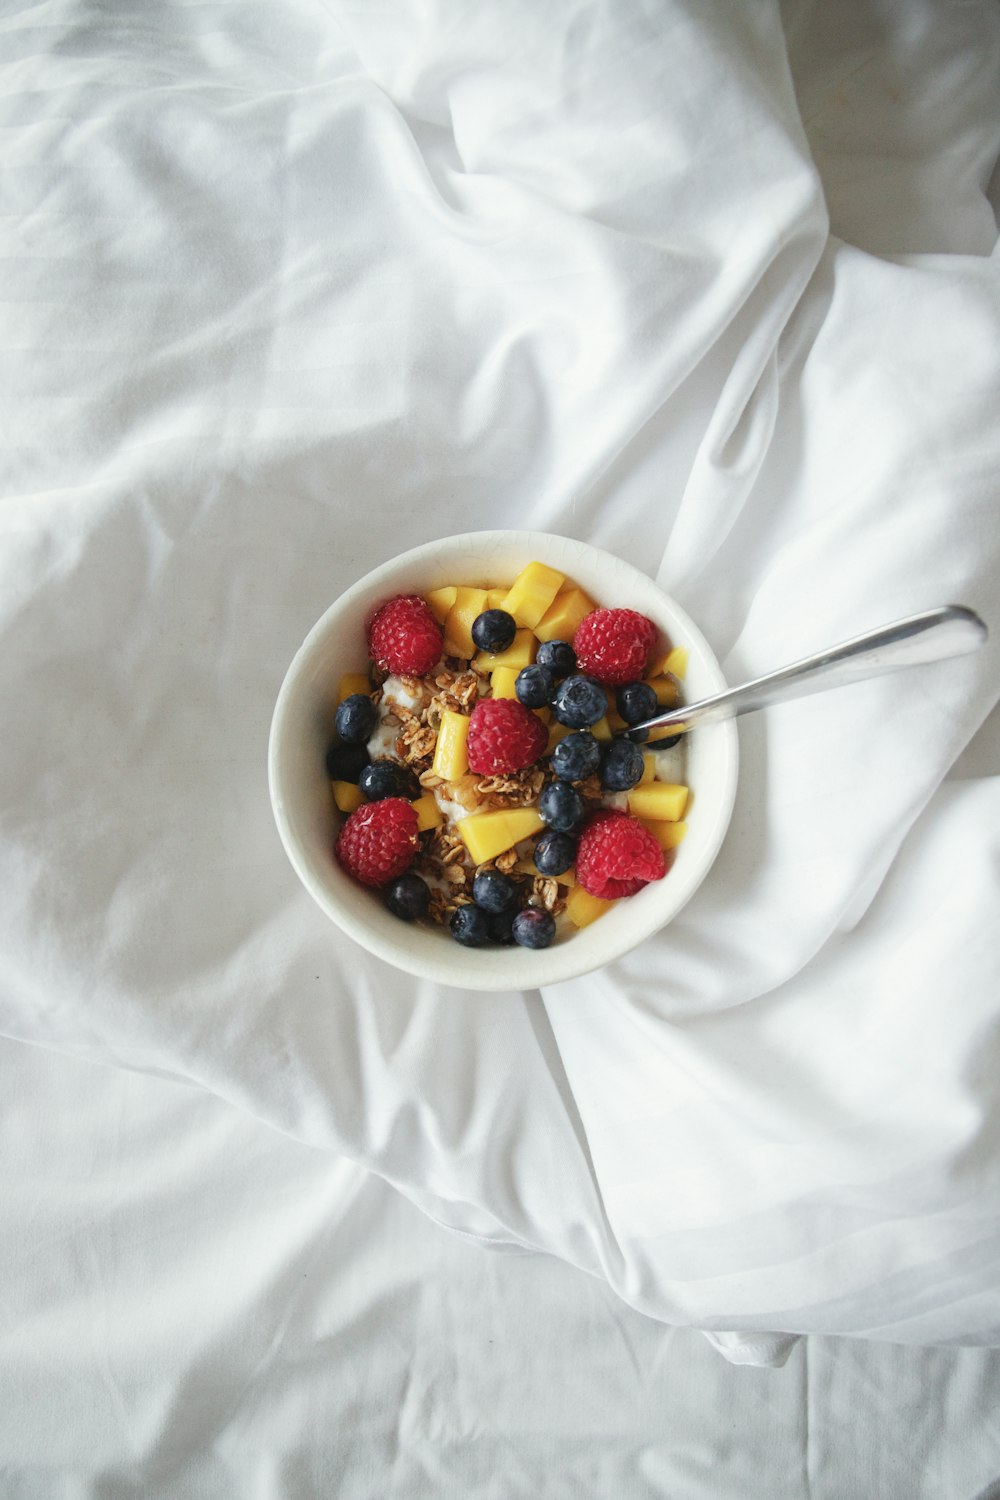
{"x":488,"y":834}
{"x":582,"y":908}
{"x":564,"y":614}
{"x":502,"y":680}
{"x":676,"y":661}
{"x":450,"y":757}
{"x":528,"y":867}
{"x":495,"y":597}
{"x":648,"y":767}
{"x":458,"y":622}
{"x":352,"y":682}
{"x":601,"y":730}
{"x":557,"y":732}
{"x":346,"y":795}
{"x":440,"y":601}
{"x":532,"y":592}
{"x":658,"y":800}
{"x":667,"y":835}
{"x":666,"y":690}
{"x":520,"y":653}
{"x":429,"y":815}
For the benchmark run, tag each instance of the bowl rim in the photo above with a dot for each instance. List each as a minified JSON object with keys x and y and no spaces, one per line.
{"x":547,"y":966}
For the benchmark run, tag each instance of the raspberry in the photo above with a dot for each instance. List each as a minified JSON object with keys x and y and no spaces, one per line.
{"x":617,"y":856}
{"x":405,"y":637}
{"x":504,"y":736}
{"x":613,"y":645}
{"x":378,"y":841}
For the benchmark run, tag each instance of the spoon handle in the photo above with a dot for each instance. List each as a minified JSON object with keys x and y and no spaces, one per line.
{"x":951,"y":630}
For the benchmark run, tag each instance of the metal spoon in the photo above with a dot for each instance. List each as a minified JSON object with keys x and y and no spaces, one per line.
{"x":933,"y":635}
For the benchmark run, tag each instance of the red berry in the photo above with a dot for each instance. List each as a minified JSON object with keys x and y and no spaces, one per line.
{"x":378,"y":841}
{"x":504,"y":736}
{"x":613,"y":645}
{"x":617,"y":856}
{"x":405,"y":637}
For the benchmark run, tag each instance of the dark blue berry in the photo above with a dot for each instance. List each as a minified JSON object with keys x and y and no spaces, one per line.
{"x":668,"y":743}
{"x":493,"y":891}
{"x":622,"y":766}
{"x":470,"y":925}
{"x":501,"y":927}
{"x":577,"y":756}
{"x":534,"y":686}
{"x":561,"y":806}
{"x":346,"y":762}
{"x":579,"y":702}
{"x":534,"y":928}
{"x":387,"y":778}
{"x":554,"y":853}
{"x":636,"y":701}
{"x":494,"y":630}
{"x":408,"y":897}
{"x":355,"y":719}
{"x":558,"y":656}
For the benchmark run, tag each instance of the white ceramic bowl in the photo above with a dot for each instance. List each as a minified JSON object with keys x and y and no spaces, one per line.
{"x":307,"y":819}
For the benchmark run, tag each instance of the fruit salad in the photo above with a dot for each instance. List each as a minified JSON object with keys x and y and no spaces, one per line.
{"x":481,"y":766}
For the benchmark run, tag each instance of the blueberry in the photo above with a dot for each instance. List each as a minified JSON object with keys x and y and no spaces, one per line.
{"x":554,"y":853}
{"x":356,"y":718}
{"x":387,"y":778}
{"x":408,"y":897}
{"x":494,"y":892}
{"x":501,"y":927}
{"x":558,"y":656}
{"x":561,"y":806}
{"x":534,"y":686}
{"x":346,"y":762}
{"x":470,"y":926}
{"x":577,"y":756}
{"x":622,"y":766}
{"x":494,"y":630}
{"x":580,"y":702}
{"x":534,"y":928}
{"x":636,"y":701}
{"x":667,"y":744}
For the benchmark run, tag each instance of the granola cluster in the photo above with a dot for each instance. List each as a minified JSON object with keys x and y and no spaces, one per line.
{"x":443,"y":859}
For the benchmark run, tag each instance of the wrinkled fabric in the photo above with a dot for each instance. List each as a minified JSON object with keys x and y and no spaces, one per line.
{"x":193,"y":1306}
{"x":290,"y":289}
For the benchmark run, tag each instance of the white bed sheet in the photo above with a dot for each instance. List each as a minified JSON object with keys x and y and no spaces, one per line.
{"x":288,"y":287}
{"x":193,"y":1307}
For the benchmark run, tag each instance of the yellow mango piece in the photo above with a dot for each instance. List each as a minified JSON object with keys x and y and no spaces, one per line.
{"x":676,"y":661}
{"x":458,"y":622}
{"x":563,"y":615}
{"x":658,"y":800}
{"x":532,"y":592}
{"x":450,"y":758}
{"x":502,"y":680}
{"x":520,"y":653}
{"x":352,"y":682}
{"x":488,"y":834}
{"x":666,"y":690}
{"x":429,"y":815}
{"x":615,"y":719}
{"x":346,"y":795}
{"x":440,"y":601}
{"x":667,"y":835}
{"x":495,"y":597}
{"x":544,"y":713}
{"x":557,"y":732}
{"x":648,"y":767}
{"x":601,"y":730}
{"x":582,"y":908}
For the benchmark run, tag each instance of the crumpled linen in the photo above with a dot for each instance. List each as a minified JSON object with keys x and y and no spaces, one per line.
{"x":288,"y":292}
